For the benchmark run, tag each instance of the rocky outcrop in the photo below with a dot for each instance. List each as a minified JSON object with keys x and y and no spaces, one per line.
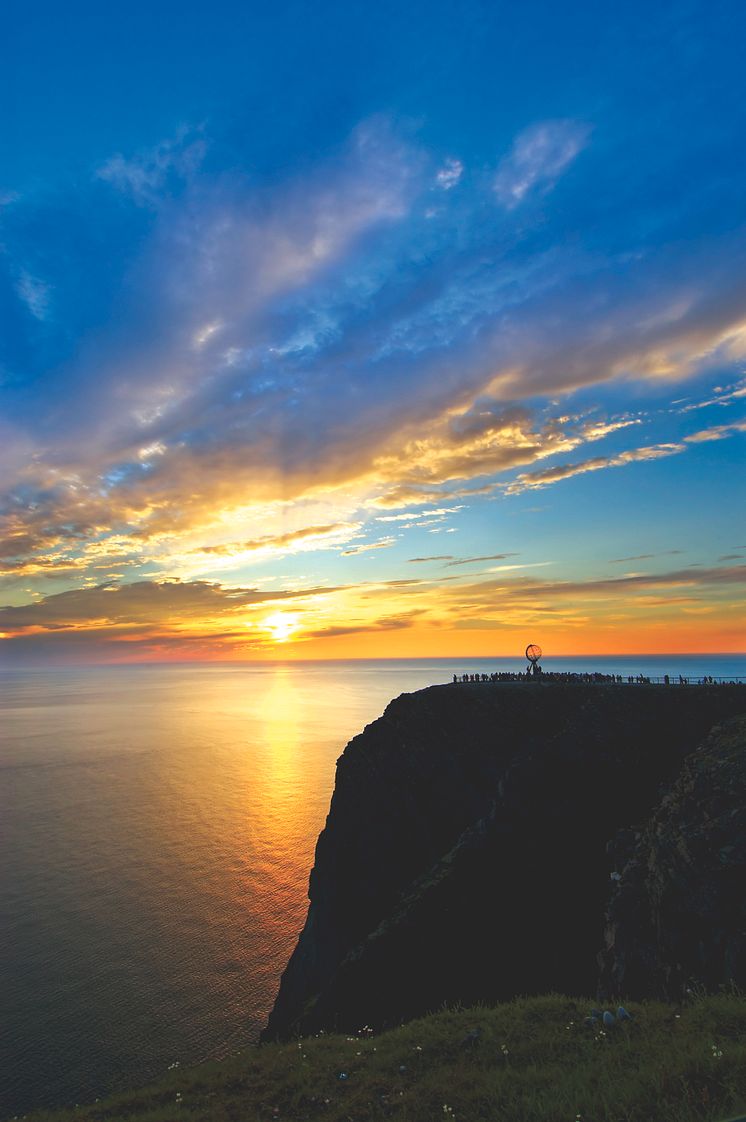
{"x":464,"y":855}
{"x":677,"y":916}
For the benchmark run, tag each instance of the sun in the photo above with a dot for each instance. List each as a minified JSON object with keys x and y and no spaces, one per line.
{"x":280,"y":626}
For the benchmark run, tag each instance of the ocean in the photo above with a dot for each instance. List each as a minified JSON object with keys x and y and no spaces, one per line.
{"x":158,"y":828}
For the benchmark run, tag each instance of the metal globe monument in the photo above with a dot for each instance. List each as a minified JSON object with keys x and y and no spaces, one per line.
{"x":533,"y":654}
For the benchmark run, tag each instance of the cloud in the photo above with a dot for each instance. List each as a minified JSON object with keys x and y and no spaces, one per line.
{"x":143,"y":603}
{"x":537,"y":159}
{"x":424,"y":514}
{"x":449,"y":174}
{"x":717,"y":432}
{"x":702,"y":577}
{"x":721,"y":395}
{"x":532,"y":481}
{"x":145,"y":176}
{"x":524,"y":565}
{"x":309,"y":537}
{"x":391,"y":623}
{"x":476,"y":560}
{"x":384,"y":543}
{"x":485,"y":439}
{"x":645,"y":556}
{"x":35,"y":294}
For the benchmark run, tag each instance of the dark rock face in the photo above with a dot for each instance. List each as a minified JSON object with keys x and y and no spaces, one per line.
{"x":464,"y":855}
{"x":677,"y":916}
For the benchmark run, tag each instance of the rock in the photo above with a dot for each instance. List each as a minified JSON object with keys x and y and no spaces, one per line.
{"x":679,"y":916}
{"x":464,"y":855}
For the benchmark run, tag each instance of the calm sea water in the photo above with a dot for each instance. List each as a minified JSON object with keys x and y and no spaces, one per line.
{"x":158,"y":827}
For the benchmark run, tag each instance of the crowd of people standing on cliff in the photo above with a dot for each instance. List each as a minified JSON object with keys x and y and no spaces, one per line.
{"x":568,"y":676}
{"x":537,"y":672}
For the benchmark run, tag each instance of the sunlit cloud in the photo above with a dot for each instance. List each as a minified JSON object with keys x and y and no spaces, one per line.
{"x":144,"y":618}
{"x":383,"y":543}
{"x":717,"y":432}
{"x":532,"y":481}
{"x":292,"y":541}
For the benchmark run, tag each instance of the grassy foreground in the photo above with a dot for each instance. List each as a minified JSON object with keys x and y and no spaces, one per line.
{"x":533,"y":1060}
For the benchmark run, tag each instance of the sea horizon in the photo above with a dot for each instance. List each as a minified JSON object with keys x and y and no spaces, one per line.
{"x":292,"y":661}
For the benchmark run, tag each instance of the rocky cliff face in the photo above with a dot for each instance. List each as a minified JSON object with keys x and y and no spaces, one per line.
{"x":464,"y":857}
{"x":677,"y":915}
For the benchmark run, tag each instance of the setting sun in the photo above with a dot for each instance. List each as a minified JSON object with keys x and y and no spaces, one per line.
{"x":281,"y":626}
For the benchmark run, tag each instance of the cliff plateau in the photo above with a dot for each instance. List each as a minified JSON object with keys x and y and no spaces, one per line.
{"x":472,"y":836}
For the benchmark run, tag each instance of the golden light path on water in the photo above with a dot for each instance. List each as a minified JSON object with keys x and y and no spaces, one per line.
{"x":159,"y":825}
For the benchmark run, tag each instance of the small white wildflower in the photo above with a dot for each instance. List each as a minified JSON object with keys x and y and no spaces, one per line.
{"x":716,"y":1052}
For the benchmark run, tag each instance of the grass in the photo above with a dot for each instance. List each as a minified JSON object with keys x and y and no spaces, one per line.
{"x":534,"y":1060}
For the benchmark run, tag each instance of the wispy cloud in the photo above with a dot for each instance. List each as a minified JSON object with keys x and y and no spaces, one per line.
{"x":391,"y":623}
{"x":35,"y":294}
{"x":308,"y":537}
{"x":479,"y":560}
{"x":383,"y":543}
{"x":644,"y":556}
{"x":146,"y":175}
{"x":717,"y":432}
{"x":449,"y":174}
{"x":532,"y":481}
{"x":537,"y":159}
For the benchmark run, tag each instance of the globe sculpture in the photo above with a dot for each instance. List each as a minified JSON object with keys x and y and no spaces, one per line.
{"x":533,"y":654}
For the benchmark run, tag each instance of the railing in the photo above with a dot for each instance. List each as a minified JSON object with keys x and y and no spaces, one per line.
{"x":693,"y":680}
{"x":590,"y":679}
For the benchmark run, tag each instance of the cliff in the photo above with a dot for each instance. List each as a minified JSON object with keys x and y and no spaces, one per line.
{"x":677,"y":914}
{"x":469,"y":845}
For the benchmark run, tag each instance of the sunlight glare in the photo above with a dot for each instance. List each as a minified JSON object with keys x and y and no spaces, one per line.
{"x":281,"y":626}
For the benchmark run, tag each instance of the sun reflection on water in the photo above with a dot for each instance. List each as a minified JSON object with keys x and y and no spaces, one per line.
{"x":160,"y":826}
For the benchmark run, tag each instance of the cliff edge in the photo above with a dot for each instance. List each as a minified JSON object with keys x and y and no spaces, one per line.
{"x":470,"y":845}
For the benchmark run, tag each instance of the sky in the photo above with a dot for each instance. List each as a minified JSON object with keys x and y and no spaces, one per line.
{"x":346,"y":330}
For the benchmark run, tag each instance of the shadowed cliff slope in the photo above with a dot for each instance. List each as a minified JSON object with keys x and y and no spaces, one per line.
{"x":464,"y":855}
{"x":677,"y":915}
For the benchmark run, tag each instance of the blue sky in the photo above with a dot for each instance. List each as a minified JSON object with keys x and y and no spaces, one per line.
{"x":296,"y":297}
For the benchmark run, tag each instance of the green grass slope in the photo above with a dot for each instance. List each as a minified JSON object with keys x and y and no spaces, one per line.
{"x":531,"y":1060}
